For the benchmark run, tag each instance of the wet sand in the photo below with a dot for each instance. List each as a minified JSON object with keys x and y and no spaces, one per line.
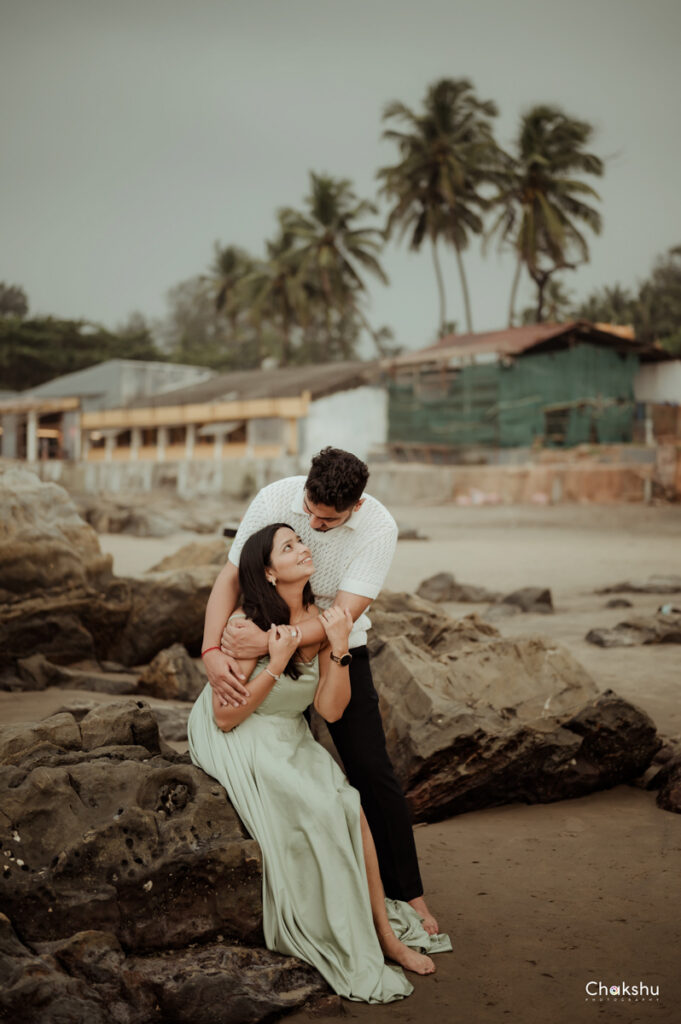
{"x":538,"y":900}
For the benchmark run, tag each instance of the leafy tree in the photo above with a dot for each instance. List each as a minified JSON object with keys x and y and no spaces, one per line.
{"x":557,"y":305}
{"x":13,"y":300}
{"x":658,"y":311}
{"x":36,"y":350}
{"x":447,"y":153}
{"x":609,"y":305}
{"x":542,"y":199}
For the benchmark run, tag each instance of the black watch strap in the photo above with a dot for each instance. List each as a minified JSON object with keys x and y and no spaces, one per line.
{"x":344,"y":659}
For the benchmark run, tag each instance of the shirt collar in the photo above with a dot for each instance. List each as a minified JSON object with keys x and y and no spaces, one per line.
{"x":298,"y":507}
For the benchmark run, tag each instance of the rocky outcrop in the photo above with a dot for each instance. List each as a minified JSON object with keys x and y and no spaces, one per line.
{"x":129,"y":878}
{"x":641,"y":629}
{"x":138,"y":518}
{"x":207,"y":552}
{"x":443,"y":587}
{"x":665,"y":584}
{"x":88,"y":979}
{"x":172,"y":675}
{"x":165,"y":608}
{"x":474,"y":719}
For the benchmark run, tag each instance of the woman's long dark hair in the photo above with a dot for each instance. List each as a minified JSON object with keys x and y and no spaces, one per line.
{"x":260,"y":600}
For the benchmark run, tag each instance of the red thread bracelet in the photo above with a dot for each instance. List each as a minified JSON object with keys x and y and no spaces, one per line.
{"x":216,"y":648}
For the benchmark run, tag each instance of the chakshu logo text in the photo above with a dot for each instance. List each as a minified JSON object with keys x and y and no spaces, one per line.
{"x":639,"y":991}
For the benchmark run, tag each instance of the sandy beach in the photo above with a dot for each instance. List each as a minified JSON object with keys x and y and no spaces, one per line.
{"x":538,"y":900}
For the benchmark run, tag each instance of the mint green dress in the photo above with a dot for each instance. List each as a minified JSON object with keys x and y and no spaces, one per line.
{"x":295,"y":801}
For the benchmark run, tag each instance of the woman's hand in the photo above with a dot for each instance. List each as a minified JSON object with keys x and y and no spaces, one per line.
{"x":337,"y":623}
{"x":282,"y":642}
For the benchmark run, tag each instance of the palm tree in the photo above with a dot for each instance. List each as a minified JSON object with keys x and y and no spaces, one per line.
{"x":333,"y":247}
{"x":542,"y":201}
{"x":274,"y":291}
{"x":230,"y":265}
{"x":446,"y":154}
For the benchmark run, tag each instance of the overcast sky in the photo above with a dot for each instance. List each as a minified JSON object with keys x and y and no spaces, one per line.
{"x":136,"y":133}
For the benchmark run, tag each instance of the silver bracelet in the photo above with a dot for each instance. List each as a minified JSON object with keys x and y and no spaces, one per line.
{"x":272,"y":674}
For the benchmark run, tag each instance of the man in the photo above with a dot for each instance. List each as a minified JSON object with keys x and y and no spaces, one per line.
{"x":352,"y":539}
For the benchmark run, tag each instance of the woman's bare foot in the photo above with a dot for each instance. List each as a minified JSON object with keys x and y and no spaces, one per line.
{"x":404,"y":956}
{"x":429,"y":923}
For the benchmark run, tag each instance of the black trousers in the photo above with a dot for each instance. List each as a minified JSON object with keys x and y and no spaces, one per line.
{"x":360,"y":741}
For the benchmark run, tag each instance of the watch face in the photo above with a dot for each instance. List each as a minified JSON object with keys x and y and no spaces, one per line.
{"x":346,"y":659}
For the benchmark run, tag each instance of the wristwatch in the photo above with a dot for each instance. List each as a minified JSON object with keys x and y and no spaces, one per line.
{"x":344,"y":659}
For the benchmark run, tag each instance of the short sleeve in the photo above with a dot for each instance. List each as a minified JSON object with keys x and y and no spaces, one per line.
{"x":366,"y":573}
{"x":257,"y":515}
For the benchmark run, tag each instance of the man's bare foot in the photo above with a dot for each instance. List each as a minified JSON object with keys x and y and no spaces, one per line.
{"x":404,"y":956}
{"x":429,"y":923}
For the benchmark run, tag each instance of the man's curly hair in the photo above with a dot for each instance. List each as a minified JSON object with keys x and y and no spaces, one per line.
{"x":336,"y":478}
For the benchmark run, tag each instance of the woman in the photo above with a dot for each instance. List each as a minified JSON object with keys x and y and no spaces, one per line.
{"x":322,"y":895}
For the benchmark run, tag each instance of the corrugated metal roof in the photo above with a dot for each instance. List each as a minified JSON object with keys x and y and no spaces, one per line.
{"x":284,"y":382}
{"x":511,"y":341}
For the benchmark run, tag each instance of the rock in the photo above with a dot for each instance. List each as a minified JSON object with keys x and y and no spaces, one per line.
{"x":172,"y":722}
{"x":37,"y":673}
{"x":650,"y":629}
{"x":409,"y":533}
{"x":500,"y":611}
{"x":531,"y":599}
{"x":138,"y":515}
{"x":669,"y":783}
{"x":443,"y":587}
{"x":129,"y":874}
{"x":57,"y":595}
{"x":619,"y":602}
{"x":172,"y":675}
{"x":43,"y":542}
{"x":655,"y":585}
{"x":87,"y":979}
{"x":473,"y":719}
{"x":210,"y":552}
{"x":116,"y":837}
{"x":165,"y":608}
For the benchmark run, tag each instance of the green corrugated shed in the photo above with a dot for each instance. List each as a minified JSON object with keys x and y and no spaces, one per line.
{"x":584,"y":393}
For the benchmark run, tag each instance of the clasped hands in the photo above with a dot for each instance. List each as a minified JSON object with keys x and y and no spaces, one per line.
{"x":242,"y":640}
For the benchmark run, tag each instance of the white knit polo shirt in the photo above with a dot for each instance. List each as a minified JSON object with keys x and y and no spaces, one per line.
{"x":354,"y":557}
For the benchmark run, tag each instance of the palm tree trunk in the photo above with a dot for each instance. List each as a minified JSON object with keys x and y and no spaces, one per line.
{"x":514,"y":291}
{"x":464,"y":288}
{"x":440,"y":287}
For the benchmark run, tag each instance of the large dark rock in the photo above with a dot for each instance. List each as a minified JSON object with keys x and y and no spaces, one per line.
{"x":131,"y":882}
{"x":665,"y":584}
{"x":642,"y":629}
{"x":88,"y":979}
{"x":113,"y":835}
{"x":443,"y":587}
{"x":165,"y":608}
{"x":58,"y":597}
{"x":172,"y":675}
{"x":473,"y":719}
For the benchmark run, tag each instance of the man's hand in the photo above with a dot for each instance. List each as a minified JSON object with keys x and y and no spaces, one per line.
{"x":242,"y":639}
{"x":226,"y":678}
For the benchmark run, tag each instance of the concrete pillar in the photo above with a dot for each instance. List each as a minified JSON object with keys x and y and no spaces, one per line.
{"x":190,"y":441}
{"x":135,"y":442}
{"x":109,"y":445}
{"x":9,"y":436}
{"x":649,"y":434}
{"x":32,"y":436}
{"x":217,"y":446}
{"x":75,"y":446}
{"x":161,"y":443}
{"x":84,"y":443}
{"x":292,"y":437}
